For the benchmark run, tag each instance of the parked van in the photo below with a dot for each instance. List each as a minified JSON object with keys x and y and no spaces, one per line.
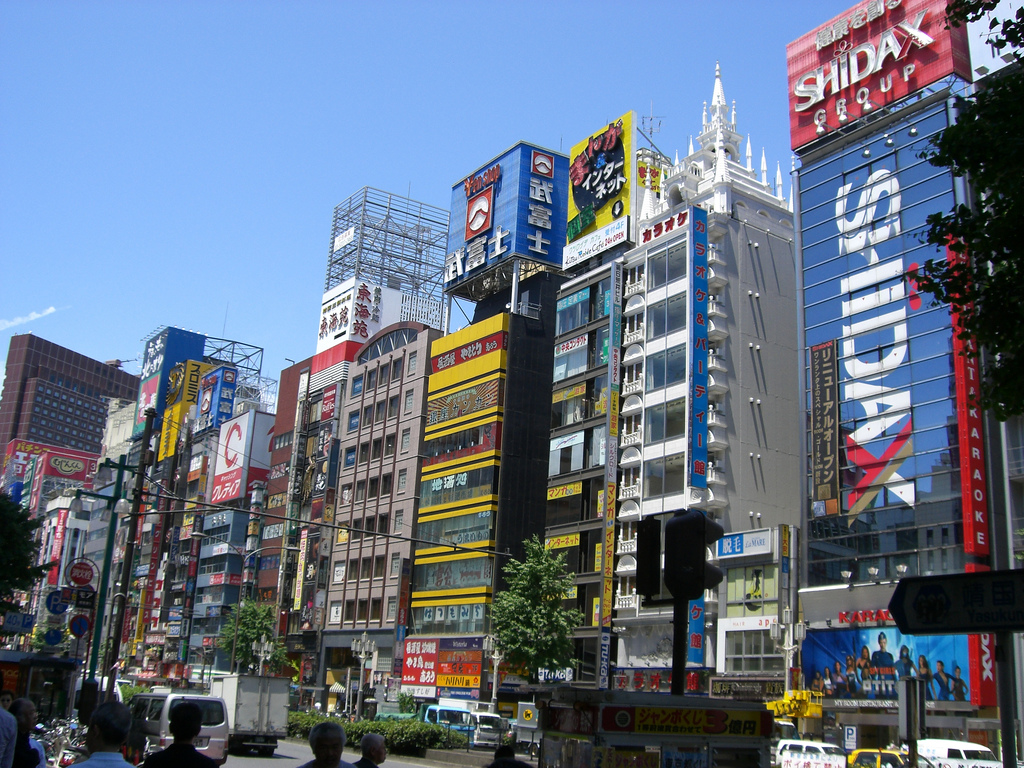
{"x":946,"y":753}
{"x":151,"y":725}
{"x":794,"y":753}
{"x":458,"y":720}
{"x":489,"y":729}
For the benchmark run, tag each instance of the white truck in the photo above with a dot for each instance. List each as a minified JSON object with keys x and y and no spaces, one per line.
{"x":257,"y":711}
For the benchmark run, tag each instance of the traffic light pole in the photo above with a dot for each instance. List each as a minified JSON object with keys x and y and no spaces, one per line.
{"x":680,"y":641}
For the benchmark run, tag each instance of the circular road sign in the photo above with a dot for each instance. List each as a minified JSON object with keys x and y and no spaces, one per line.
{"x":53,"y":637}
{"x":55,"y":603}
{"x":79,"y":625}
{"x":81,"y":572}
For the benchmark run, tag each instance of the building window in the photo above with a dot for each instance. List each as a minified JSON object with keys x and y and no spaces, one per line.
{"x":378,"y":447}
{"x":364,"y":453}
{"x":371,"y":379}
{"x":368,"y":415}
{"x":360,"y":490}
{"x":393,"y":407}
{"x":365,"y":568}
{"x":382,"y":523}
{"x":752,"y":591}
{"x":350,"y":610}
{"x":406,"y":433}
{"x":375,"y":605}
{"x":385,"y":485}
{"x":346,"y":493}
{"x":335,"y":617}
{"x":339,"y":571}
{"x":392,"y":608}
{"x":374,"y":489}
{"x":402,"y":477}
{"x":410,"y":398}
{"x":396,"y":565}
{"x":353,"y":568}
{"x":353,"y":421}
{"x":357,"y":385}
{"x":399,"y":518}
{"x":350,"y":457}
{"x":396,"y":370}
{"x":752,"y":651}
{"x":378,"y":567}
{"x":361,"y":614}
{"x":381,"y":411}
{"x":412,"y":362}
{"x":389,"y":445}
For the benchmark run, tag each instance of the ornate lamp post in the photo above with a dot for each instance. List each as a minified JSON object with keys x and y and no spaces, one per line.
{"x":491,"y":647}
{"x":262,"y":650}
{"x":795,"y":634}
{"x":363,"y":648}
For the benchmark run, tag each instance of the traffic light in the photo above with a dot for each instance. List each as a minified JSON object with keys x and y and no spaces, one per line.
{"x":687,"y":536}
{"x":648,"y":557}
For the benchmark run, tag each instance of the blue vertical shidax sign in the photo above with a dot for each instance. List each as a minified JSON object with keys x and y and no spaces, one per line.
{"x":695,"y":633}
{"x":698,"y":348}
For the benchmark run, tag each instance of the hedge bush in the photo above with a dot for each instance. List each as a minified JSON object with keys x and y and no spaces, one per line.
{"x":400,"y":736}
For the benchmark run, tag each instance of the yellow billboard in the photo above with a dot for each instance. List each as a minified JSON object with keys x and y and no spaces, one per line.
{"x":182,"y":393}
{"x":601,"y":178}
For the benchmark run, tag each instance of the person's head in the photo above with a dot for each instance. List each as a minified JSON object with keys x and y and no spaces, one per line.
{"x":839,"y":668}
{"x":327,"y":740}
{"x":904,"y":652}
{"x":373,"y":748}
{"x":505,"y":750}
{"x":185,"y":721}
{"x":24,"y":712}
{"x":956,"y":671}
{"x":940,"y":667}
{"x":865,"y":653}
{"x":6,"y":697}
{"x":922,"y":662}
{"x":882,"y":641}
{"x":109,"y":726}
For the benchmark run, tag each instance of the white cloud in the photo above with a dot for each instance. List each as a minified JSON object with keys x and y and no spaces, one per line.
{"x":5,"y":324}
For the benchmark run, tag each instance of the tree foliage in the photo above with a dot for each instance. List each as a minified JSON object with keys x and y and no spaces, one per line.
{"x":18,"y":569}
{"x":255,"y":621}
{"x":986,"y":147}
{"x":532,"y":628}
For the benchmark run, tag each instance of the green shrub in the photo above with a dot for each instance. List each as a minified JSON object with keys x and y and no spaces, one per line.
{"x":400,"y":736}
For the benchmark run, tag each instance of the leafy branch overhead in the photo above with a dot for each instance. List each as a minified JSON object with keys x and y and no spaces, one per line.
{"x":533,"y":629}
{"x":986,"y":147}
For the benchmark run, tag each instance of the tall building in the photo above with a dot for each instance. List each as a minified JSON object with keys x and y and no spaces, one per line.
{"x":897,"y":454}
{"x":482,"y":488}
{"x":383,"y":278}
{"x":676,"y":387}
{"x":58,"y":397}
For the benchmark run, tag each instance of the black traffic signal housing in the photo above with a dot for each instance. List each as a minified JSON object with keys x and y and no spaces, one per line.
{"x":648,"y":557}
{"x":687,"y":536}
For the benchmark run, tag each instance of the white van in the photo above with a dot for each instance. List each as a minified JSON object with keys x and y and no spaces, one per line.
{"x":793,"y":753}
{"x":946,"y":753}
{"x":489,"y":729}
{"x":151,"y":725}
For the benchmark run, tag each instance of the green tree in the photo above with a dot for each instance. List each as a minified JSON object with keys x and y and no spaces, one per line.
{"x":18,"y":569}
{"x":532,"y":628}
{"x":985,"y":147}
{"x":255,"y":621}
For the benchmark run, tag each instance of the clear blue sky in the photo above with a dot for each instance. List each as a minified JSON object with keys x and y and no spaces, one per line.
{"x":177,"y":163}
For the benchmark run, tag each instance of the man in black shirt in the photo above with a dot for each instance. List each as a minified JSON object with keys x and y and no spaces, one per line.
{"x":185,"y":721}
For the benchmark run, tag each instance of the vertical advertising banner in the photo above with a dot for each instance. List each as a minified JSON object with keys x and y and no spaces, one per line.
{"x":824,"y":429}
{"x":601,"y":178}
{"x":300,"y":570}
{"x":698,"y":457}
{"x":973,"y":490}
{"x":164,"y":351}
{"x":419,"y":668}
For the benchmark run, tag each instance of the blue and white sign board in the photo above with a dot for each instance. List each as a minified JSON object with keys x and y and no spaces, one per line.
{"x":56,"y":603}
{"x":19,"y":623}
{"x":513,"y":206}
{"x":757,"y":542}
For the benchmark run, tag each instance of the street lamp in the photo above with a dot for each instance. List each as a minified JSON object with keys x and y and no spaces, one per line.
{"x":363,"y":647}
{"x":262,"y":650}
{"x":116,"y":507}
{"x":795,"y":634}
{"x":244,"y":555}
{"x":491,"y":647}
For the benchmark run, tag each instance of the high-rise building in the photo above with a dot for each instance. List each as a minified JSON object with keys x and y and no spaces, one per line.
{"x":897,"y":454}
{"x":58,"y":397}
{"x":676,"y":387}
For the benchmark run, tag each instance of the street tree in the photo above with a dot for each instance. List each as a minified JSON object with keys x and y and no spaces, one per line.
{"x":255,"y":622}
{"x":532,"y":628}
{"x":985,"y":282}
{"x":18,"y":555}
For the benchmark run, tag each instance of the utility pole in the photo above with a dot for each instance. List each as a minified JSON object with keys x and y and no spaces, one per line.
{"x":145,"y":458}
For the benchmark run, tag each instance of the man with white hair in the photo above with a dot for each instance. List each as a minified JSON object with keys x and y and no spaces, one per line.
{"x":374,"y":750}
{"x":327,"y":740}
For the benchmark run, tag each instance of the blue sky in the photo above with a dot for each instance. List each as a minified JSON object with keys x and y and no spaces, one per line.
{"x":177,"y":163}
